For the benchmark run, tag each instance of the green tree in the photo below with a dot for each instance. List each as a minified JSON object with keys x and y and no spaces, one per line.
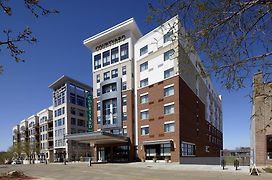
{"x":234,"y":36}
{"x":10,"y":41}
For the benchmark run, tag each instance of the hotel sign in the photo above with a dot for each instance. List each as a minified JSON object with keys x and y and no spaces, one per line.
{"x":111,"y":42}
{"x":90,"y":113}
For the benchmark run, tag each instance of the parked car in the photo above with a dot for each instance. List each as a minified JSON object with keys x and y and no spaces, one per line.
{"x":16,"y":162}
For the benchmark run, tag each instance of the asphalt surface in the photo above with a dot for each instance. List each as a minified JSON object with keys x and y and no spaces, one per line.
{"x":125,"y":172}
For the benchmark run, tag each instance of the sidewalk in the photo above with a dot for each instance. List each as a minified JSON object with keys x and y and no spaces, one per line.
{"x":189,"y":167}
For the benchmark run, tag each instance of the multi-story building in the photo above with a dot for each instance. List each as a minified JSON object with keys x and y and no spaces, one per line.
{"x":23,"y":130}
{"x":33,"y":136}
{"x":46,"y":134}
{"x":179,"y":113}
{"x":150,"y":99}
{"x":261,"y":124}
{"x":16,"y":134}
{"x":70,"y":116}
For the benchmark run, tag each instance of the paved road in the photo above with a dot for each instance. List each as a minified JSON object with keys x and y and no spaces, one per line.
{"x":122,"y":172}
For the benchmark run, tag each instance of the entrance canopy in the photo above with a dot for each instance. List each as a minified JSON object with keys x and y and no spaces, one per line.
{"x":98,"y":137}
{"x":164,"y":141}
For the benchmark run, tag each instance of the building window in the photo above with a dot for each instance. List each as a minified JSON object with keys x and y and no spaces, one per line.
{"x":98,"y":119}
{"x":98,"y":106}
{"x":98,"y":78}
{"x":144,"y":99}
{"x":168,"y":37}
{"x":98,"y":92}
{"x":80,"y":101}
{"x":124,"y":116}
{"x":144,"y":130}
{"x":144,"y":82}
{"x":81,"y":123}
{"x":73,"y":110}
{"x":169,"y":109}
{"x":114,"y":73}
{"x":73,"y":121}
{"x":168,"y":73}
{"x":143,"y":50}
{"x":187,"y":149}
{"x":72,"y":98}
{"x":145,"y":114}
{"x":106,"y":75}
{"x":124,"y":70}
{"x":97,"y":61}
{"x":168,"y":55}
{"x":106,"y":58}
{"x":169,"y":127}
{"x":144,"y":66}
{"x":81,"y":113}
{"x":124,"y":101}
{"x":114,"y":55}
{"x":124,"y":51}
{"x":124,"y":85}
{"x":109,"y":88}
{"x":125,"y":131}
{"x":169,"y":91}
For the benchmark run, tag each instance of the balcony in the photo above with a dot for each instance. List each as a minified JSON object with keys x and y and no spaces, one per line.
{"x":50,"y":129}
{"x":50,"y":138}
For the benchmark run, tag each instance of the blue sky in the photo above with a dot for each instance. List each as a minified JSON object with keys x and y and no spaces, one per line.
{"x":24,"y":86}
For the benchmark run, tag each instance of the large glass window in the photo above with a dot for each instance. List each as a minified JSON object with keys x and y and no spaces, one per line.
{"x":80,"y":101}
{"x":165,"y":149}
{"x":109,"y":88}
{"x":187,"y":149}
{"x":106,"y":75}
{"x":144,"y":82}
{"x":114,"y":73}
{"x":169,"y":91}
{"x":106,"y":58}
{"x":145,"y":130}
{"x":169,"y":109}
{"x":110,"y":111}
{"x":144,"y":66}
{"x":168,"y":73}
{"x":97,"y":61}
{"x":143,"y":50}
{"x":168,"y":55}
{"x":169,"y":127}
{"x":114,"y":55}
{"x":145,"y":115}
{"x":168,"y":37}
{"x":124,"y":51}
{"x":144,"y":99}
{"x":72,"y":98}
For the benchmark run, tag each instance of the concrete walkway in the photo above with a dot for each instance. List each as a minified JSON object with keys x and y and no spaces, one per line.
{"x":189,"y":167}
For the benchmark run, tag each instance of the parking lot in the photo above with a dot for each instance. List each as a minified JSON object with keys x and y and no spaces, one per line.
{"x":132,"y":171}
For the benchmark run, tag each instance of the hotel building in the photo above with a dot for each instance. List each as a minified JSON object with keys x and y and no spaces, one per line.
{"x":261,"y":122}
{"x":150,"y":100}
{"x":71,"y":114}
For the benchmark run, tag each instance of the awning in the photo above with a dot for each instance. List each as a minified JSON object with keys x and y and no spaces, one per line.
{"x":97,"y":138}
{"x":164,"y":141}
